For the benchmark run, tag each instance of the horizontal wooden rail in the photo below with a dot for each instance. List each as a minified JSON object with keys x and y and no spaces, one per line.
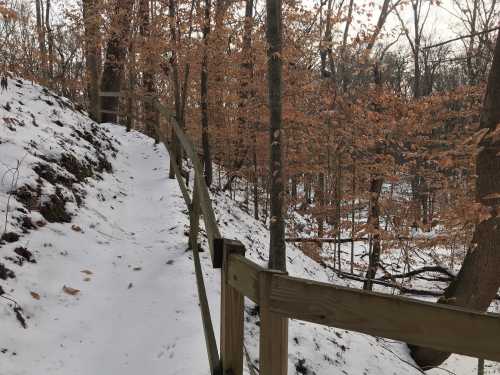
{"x":280,"y":297}
{"x":111,"y":94}
{"x":200,"y":200}
{"x":441,"y":327}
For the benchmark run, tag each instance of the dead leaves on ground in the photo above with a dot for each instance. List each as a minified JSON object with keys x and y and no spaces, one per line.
{"x":70,"y":291}
{"x":35,"y":295}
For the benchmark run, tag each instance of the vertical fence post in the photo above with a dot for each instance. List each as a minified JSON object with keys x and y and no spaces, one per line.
{"x":194,"y":217}
{"x":232,"y":315}
{"x":273,"y":332}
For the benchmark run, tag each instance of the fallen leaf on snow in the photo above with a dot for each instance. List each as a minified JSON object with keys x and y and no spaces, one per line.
{"x":70,"y":291}
{"x":35,"y":295}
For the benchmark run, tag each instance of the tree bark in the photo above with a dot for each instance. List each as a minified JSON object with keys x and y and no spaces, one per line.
{"x":478,"y":281}
{"x":176,"y":149}
{"x":91,"y":19}
{"x":207,"y":157}
{"x":50,"y":45}
{"x":116,"y":52}
{"x":148,"y":71}
{"x":277,"y":250}
{"x":41,"y":39}
{"x":374,"y":223}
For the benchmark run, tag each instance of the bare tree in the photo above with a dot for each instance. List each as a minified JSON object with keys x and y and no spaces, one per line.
{"x":116,"y":53}
{"x":277,"y":249}
{"x":207,"y":157}
{"x":478,"y":281}
{"x":148,"y":73}
{"x":91,"y":19}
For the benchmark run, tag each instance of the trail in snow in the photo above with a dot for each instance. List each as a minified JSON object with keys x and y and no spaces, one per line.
{"x":137,"y":310}
{"x":135,"y":313}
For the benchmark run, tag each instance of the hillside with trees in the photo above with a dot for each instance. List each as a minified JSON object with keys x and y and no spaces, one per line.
{"x":359,"y":139}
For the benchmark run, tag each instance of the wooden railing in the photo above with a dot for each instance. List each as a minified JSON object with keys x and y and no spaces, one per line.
{"x":281,"y":297}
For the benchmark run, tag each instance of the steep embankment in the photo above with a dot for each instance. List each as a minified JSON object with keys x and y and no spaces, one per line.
{"x":94,"y":256}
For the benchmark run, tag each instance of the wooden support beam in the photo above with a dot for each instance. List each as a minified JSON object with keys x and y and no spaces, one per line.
{"x":109,"y":112}
{"x":178,"y":174}
{"x":110,"y":94}
{"x":208,"y":329}
{"x":194,"y":218}
{"x":244,"y":276}
{"x":273,"y":331}
{"x":232,"y":315}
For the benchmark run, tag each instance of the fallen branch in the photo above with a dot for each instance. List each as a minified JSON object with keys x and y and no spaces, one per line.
{"x":401,"y":288}
{"x":418,"y":271}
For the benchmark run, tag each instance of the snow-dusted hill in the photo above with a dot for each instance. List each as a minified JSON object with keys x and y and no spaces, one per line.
{"x":94,"y":256}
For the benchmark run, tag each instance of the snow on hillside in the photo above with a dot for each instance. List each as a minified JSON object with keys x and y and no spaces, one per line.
{"x":94,"y":256}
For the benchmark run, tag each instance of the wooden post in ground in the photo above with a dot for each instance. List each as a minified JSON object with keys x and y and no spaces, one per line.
{"x":273,"y":331}
{"x":194,"y":217}
{"x":232,"y":316}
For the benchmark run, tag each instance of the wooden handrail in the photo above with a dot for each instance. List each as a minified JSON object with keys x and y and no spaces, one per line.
{"x":200,"y":200}
{"x":280,"y":297}
{"x":209,"y":219}
{"x":441,"y":327}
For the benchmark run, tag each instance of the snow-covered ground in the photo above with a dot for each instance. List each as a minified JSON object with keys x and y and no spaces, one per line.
{"x":109,"y":287}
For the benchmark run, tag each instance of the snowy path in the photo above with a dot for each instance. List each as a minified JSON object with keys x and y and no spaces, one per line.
{"x":135,"y":314}
{"x":137,"y":309}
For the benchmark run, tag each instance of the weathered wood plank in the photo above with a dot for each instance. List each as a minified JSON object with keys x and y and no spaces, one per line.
{"x":431,"y":325}
{"x":273,"y":331}
{"x":194,"y":218}
{"x":110,"y":94}
{"x":232,"y":315}
{"x":211,"y":343}
{"x":243,"y":275}
{"x":178,"y":175}
{"x":109,"y":112}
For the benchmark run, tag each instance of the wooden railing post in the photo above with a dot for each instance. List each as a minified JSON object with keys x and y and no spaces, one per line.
{"x":232,"y":315}
{"x":194,"y":217}
{"x":273,"y":331}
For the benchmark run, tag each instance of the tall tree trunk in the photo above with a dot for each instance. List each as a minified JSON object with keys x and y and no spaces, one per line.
{"x":148,"y":72}
{"x":353,"y":208}
{"x":132,"y":82}
{"x":91,"y":19}
{"x":40,"y":28}
{"x":116,"y":53}
{"x":480,"y":366}
{"x":50,"y":43}
{"x":384,"y":13}
{"x":207,"y":157}
{"x":248,"y":69}
{"x":277,"y":250}
{"x":416,"y":49}
{"x":343,"y":52}
{"x":478,"y":281}
{"x":319,"y":196}
{"x":374,"y":224}
{"x":176,"y":149}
